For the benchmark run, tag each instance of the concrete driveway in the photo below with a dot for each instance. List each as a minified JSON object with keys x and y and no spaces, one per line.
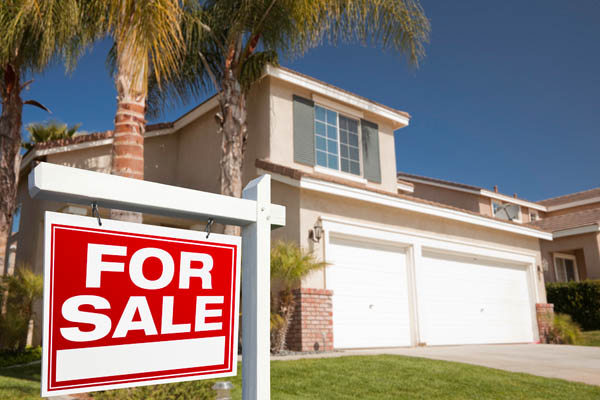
{"x":573,"y":363}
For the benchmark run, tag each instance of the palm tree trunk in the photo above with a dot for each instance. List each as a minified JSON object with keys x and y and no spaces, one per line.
{"x":130,"y":125}
{"x":10,"y":159}
{"x":233,"y":130}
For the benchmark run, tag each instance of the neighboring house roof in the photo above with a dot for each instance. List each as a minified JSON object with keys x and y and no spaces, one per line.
{"x":572,"y":223}
{"x":469,"y":189}
{"x":572,"y":199}
{"x":403,"y":201}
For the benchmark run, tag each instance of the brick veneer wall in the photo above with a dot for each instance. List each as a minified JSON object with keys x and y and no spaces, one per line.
{"x":311,"y":327}
{"x":545,"y":316}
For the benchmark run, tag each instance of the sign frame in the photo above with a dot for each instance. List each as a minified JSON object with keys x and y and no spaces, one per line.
{"x":151,"y":232}
{"x":254,"y":213}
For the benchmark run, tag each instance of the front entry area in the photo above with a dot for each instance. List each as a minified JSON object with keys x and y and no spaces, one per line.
{"x":386,"y":296}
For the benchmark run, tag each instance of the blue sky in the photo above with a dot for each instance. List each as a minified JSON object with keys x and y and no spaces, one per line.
{"x":507,"y":94}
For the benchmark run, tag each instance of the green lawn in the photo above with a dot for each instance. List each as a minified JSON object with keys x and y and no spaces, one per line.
{"x":590,"y":338}
{"x":368,"y":377}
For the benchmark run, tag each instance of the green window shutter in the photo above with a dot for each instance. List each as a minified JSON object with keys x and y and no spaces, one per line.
{"x":370,"y":144}
{"x":304,"y":131}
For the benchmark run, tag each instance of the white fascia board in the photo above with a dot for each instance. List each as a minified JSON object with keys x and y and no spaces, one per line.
{"x":576,"y":231}
{"x":399,"y":120}
{"x":573,"y":204}
{"x":405,"y":188}
{"x":512,"y":200}
{"x":78,"y":186}
{"x":365,"y":195}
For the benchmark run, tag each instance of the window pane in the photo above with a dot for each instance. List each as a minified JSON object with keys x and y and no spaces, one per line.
{"x":343,"y":137}
{"x":321,"y":158}
{"x":561,"y":276}
{"x":320,"y":113}
{"x":332,"y":147}
{"x":354,"y":153}
{"x":332,"y":117}
{"x":343,"y":151}
{"x":355,"y":168}
{"x":353,"y":140}
{"x":321,"y":143}
{"x":353,"y":125}
{"x":332,"y":162}
{"x":331,"y":132}
{"x":569,"y":269}
{"x":343,"y":123}
{"x":320,"y":128}
{"x":345,"y":165}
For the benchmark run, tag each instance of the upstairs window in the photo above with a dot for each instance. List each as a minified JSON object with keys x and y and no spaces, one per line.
{"x":336,"y":141}
{"x":565,"y":268}
{"x":506,"y":211}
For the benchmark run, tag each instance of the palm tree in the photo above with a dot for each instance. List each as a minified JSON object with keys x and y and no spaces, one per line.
{"x":230,"y":42}
{"x":289,"y":264}
{"x":34,"y":33}
{"x":147,"y":40}
{"x":45,"y":132}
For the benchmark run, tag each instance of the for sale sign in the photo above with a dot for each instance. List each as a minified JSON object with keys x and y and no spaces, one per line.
{"x":129,"y":304}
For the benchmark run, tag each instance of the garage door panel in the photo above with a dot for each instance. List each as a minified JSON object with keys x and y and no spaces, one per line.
{"x":370,"y":297}
{"x":468,"y":300}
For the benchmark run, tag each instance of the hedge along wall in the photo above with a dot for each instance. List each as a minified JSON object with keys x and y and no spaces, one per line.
{"x":581,"y":300}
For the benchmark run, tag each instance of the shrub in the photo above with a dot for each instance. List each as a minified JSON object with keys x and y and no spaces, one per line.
{"x":564,"y":330}
{"x":581,"y":300}
{"x":289,"y":264}
{"x":194,"y":390}
{"x":20,"y":356}
{"x":19,"y":293}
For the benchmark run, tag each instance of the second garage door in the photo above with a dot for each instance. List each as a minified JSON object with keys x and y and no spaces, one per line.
{"x":370,"y":295}
{"x":466,"y":300}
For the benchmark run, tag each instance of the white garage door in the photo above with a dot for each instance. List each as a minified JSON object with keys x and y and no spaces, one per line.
{"x":370,"y":296}
{"x":465,"y":300}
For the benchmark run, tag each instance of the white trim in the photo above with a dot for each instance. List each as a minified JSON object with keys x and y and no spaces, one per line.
{"x":565,"y":257}
{"x":576,"y":231}
{"x":405,"y":204}
{"x":399,"y":120}
{"x":573,"y":204}
{"x":337,"y":107}
{"x":512,"y":200}
{"x":339,"y":174}
{"x":405,"y":188}
{"x":365,"y":195}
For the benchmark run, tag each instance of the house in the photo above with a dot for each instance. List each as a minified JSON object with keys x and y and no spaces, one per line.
{"x":574,"y":252}
{"x":403,"y":270}
{"x":573,"y":219}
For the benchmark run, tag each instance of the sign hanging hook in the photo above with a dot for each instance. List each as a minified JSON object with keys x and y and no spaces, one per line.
{"x":209,"y":225}
{"x":96,"y":213}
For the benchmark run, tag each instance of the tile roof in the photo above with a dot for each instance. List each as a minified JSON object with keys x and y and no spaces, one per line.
{"x":568,"y":198}
{"x":91,"y":137}
{"x":297,"y":174}
{"x":568,"y":221}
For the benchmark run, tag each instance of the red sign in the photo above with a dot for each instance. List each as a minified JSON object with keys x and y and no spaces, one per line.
{"x":130,"y":304}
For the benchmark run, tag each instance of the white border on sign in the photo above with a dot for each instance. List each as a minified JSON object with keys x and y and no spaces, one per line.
{"x":132,"y":228}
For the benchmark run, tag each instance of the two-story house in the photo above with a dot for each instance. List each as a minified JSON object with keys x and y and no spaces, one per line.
{"x":573,"y":219}
{"x":402,"y":270}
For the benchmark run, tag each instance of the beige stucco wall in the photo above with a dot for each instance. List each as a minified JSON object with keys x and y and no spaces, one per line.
{"x":572,"y":209}
{"x":281,"y":133}
{"x":588,"y":242}
{"x":314,"y":205}
{"x":455,"y":198}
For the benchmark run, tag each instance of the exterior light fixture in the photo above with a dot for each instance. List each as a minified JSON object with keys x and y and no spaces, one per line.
{"x":316,"y":233}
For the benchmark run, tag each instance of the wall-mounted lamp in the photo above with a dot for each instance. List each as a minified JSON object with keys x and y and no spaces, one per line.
{"x":545,"y":265}
{"x":316,"y":233}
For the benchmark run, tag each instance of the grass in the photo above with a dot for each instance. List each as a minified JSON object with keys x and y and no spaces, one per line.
{"x":344,"y":378}
{"x":590,"y":338}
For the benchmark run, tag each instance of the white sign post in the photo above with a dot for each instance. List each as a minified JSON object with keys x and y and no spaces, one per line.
{"x":254,"y":213}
